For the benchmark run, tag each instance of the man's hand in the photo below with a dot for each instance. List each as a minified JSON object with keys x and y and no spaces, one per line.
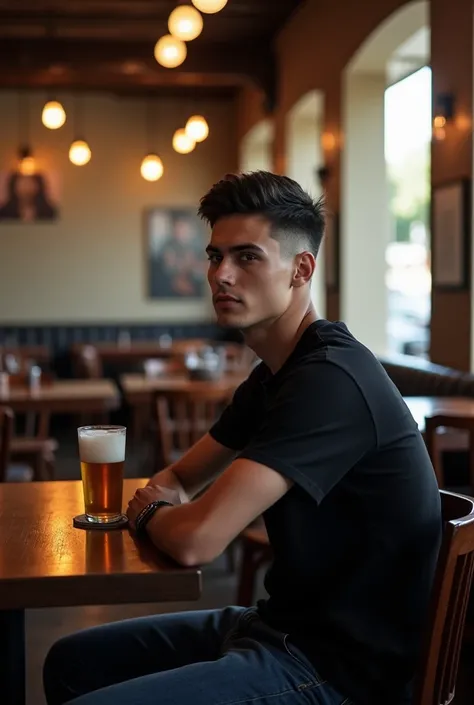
{"x":145,"y":495}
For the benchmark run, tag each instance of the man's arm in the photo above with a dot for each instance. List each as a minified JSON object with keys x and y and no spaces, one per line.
{"x":197,"y":532}
{"x":198,"y":467}
{"x":318,"y":427}
{"x":212,"y":454}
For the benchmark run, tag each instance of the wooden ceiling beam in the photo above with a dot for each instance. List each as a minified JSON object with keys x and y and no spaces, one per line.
{"x":39,"y":63}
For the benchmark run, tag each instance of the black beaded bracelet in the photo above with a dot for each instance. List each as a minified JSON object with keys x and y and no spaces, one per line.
{"x":146,"y":514}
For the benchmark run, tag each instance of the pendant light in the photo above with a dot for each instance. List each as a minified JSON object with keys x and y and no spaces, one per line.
{"x":197,"y":128}
{"x":151,"y":168}
{"x":53,"y":115}
{"x":79,"y":152}
{"x":209,"y":6}
{"x":182,"y":142}
{"x":26,"y":161}
{"x":185,"y":23}
{"x":170,"y":51}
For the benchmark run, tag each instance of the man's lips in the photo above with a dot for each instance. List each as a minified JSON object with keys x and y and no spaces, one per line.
{"x":226,"y":298}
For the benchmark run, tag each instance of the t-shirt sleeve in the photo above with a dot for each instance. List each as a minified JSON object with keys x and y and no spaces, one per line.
{"x":317,"y":428}
{"x":239,"y":420}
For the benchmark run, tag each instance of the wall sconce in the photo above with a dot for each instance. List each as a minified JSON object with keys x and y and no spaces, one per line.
{"x":443,"y":114}
{"x":26,"y":162}
{"x":323,"y":173}
{"x":328,"y":141}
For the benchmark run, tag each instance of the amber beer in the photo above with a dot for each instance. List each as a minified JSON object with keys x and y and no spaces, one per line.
{"x":102,"y":455}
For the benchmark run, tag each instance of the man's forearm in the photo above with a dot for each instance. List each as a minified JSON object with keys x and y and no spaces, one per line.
{"x":167,"y":478}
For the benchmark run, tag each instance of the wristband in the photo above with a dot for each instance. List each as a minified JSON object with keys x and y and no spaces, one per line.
{"x":146,"y":514}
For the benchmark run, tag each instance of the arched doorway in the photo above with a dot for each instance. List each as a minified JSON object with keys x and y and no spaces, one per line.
{"x":256,"y":148}
{"x":397,"y":48}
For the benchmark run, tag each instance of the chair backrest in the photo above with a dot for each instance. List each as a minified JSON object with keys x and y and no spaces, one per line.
{"x":6,"y":433}
{"x":184,"y":417}
{"x":87,"y":362}
{"x":462,"y":423}
{"x":437,"y":673}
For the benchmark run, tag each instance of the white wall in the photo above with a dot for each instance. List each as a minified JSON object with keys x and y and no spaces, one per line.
{"x":366,"y":217}
{"x":256,"y":148}
{"x":304,"y":156}
{"x":90,"y":265}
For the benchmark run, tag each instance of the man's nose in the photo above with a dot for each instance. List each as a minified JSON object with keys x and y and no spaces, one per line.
{"x":225,"y":273}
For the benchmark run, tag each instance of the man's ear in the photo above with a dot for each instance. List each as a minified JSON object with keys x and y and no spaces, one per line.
{"x":305,"y":264}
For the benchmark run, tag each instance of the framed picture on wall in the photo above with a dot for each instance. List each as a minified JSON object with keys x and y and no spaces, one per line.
{"x":176,"y":262}
{"x":450,"y":226}
{"x":331,"y":251}
{"x":28,"y":198}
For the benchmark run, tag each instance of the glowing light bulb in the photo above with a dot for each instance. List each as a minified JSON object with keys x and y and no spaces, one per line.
{"x":170,"y":51}
{"x":182,"y":142}
{"x":27,"y":166}
{"x":209,"y":6}
{"x":197,"y":128}
{"x":185,"y":23}
{"x":53,"y":115}
{"x":152,"y":168}
{"x":79,"y":153}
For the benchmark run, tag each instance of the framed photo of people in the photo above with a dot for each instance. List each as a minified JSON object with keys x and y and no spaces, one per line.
{"x":176,"y":263}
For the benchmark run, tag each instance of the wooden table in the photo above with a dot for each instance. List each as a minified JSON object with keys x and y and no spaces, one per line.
{"x":41,"y":354}
{"x":46,"y":562}
{"x":65,"y":396}
{"x":136,"y":351}
{"x":139,"y":391}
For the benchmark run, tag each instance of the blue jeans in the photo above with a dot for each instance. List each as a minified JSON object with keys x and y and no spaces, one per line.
{"x":214,"y":657}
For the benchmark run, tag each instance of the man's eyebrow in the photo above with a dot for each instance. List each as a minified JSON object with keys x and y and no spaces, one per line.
{"x":235,"y":248}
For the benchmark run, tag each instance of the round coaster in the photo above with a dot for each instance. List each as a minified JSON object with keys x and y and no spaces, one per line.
{"x":82,"y":522}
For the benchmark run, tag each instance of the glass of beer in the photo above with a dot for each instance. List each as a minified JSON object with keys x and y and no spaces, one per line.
{"x":102,"y":455}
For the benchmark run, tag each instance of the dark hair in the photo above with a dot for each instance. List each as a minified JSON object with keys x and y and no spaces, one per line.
{"x":297,"y":219}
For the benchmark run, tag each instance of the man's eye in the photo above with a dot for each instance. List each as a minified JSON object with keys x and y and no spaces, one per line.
{"x":214,"y":258}
{"x":248,"y":257}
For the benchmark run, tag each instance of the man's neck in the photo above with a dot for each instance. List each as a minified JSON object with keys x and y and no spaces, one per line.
{"x":275,"y":342}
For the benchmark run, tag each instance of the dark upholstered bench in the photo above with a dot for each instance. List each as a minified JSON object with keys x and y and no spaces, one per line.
{"x":418,"y":377}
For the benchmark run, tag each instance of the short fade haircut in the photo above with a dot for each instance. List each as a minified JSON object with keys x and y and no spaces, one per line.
{"x":297,"y":219}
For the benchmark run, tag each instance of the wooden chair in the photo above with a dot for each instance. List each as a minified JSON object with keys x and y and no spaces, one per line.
{"x":435,"y":680}
{"x":185,"y":416}
{"x":460,"y":423}
{"x":6,"y":432}
{"x":32,"y":451}
{"x":87,"y":362}
{"x":256,"y":552}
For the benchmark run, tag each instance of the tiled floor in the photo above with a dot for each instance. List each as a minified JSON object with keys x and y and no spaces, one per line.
{"x":219,"y":589}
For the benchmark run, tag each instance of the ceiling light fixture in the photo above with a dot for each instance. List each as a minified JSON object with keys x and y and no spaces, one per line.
{"x":209,"y":6}
{"x":182,"y":142}
{"x":197,"y":128}
{"x":170,"y":51}
{"x":53,"y":115}
{"x":185,"y":23}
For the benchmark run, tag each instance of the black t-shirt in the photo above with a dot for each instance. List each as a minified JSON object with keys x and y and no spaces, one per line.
{"x":356,"y":538}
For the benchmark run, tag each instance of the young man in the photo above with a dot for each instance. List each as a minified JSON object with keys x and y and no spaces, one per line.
{"x":320,"y":442}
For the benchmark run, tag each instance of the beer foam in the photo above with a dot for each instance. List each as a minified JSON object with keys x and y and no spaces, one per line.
{"x":101,"y":446}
